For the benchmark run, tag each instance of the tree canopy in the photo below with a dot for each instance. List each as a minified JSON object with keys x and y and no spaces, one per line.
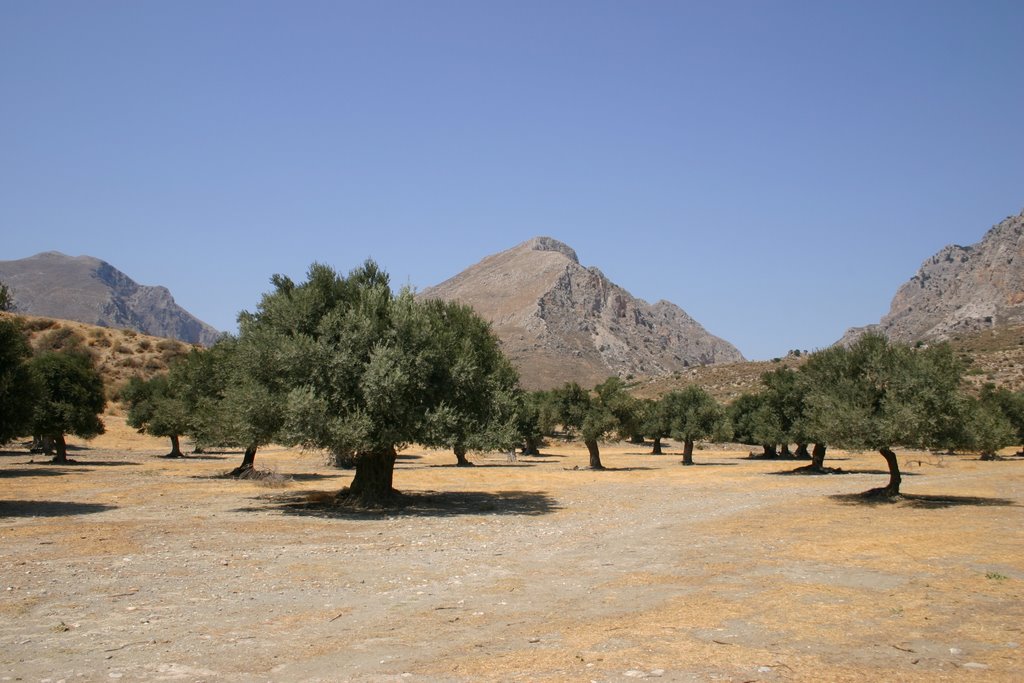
{"x":17,"y":390}
{"x":877,"y":395}
{"x":70,"y":398}
{"x":155,"y":407}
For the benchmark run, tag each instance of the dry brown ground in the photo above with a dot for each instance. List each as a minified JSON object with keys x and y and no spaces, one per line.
{"x":131,"y":567}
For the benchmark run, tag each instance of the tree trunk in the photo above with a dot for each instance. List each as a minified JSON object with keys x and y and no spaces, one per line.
{"x":531,"y":446}
{"x":61,"y":458}
{"x":460,"y":456}
{"x":784,"y":452}
{"x":657,"y":446}
{"x":595,"y":455}
{"x":818,"y":456}
{"x":769,"y":451}
{"x":892,"y":489}
{"x":636,"y":440}
{"x":248,"y":461}
{"x":801,"y":451}
{"x":175,"y":448}
{"x":687,"y":452}
{"x":372,"y":485}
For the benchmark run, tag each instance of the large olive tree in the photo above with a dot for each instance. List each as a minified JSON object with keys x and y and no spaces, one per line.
{"x":879,"y":395}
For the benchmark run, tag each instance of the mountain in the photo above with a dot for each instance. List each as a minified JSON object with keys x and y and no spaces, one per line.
{"x":960,"y":289}
{"x":560,"y":322}
{"x":92,"y":291}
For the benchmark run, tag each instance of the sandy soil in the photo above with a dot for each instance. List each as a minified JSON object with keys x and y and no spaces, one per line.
{"x":130,"y":567}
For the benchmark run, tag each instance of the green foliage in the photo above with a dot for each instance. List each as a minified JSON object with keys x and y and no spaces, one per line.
{"x":70,"y":397}
{"x":17,"y":390}
{"x":693,"y":415}
{"x":624,"y":408}
{"x":472,"y":389}
{"x":754,"y":422}
{"x":154,"y":406}
{"x":580,"y":413}
{"x":653,"y":419}
{"x":877,"y":394}
{"x":201,"y":381}
{"x":990,"y":423}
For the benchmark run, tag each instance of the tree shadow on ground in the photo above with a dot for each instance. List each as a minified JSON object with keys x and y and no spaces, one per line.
{"x":36,"y":472}
{"x":417,"y":504}
{"x":837,"y":470}
{"x":923,"y":501}
{"x":191,"y":456}
{"x":315,"y":476}
{"x":408,"y":456}
{"x":92,"y":463}
{"x":49,"y":508}
{"x":512,"y":463}
{"x":606,"y":469}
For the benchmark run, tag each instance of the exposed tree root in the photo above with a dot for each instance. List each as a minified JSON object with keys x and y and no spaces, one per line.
{"x":883,"y":492}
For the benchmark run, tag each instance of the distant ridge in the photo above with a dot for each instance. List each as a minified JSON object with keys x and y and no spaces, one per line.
{"x":88,"y":290}
{"x":960,"y":289}
{"x":559,"y":321}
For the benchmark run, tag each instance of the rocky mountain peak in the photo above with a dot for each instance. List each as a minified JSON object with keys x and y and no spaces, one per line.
{"x":90,"y":290}
{"x":559,"y":321}
{"x":551,"y":244}
{"x":960,"y":289}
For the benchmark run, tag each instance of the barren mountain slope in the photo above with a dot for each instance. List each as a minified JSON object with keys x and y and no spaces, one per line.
{"x":89,"y":290}
{"x":559,"y":321}
{"x":960,"y":289}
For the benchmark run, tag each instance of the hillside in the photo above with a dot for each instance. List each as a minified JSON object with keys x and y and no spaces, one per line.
{"x":559,"y":321}
{"x":995,"y":356}
{"x":960,"y":290}
{"x":86,"y":289}
{"x":118,"y":354}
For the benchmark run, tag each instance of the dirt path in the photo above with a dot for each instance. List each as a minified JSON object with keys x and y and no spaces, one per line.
{"x":135,"y":568}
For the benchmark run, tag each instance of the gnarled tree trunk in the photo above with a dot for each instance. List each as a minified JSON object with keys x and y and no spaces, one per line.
{"x":818,"y":456}
{"x":687,"y":452}
{"x":595,"y":454}
{"x":372,"y":485}
{"x":657,"y":446}
{"x":248,"y":460}
{"x":531,"y":446}
{"x":175,"y":448}
{"x":784,"y":451}
{"x":61,"y":456}
{"x":892,"y":489}
{"x":460,"y":456}
{"x":801,"y":451}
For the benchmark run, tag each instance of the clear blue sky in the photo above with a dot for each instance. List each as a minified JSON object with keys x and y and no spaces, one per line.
{"x":776,"y":168}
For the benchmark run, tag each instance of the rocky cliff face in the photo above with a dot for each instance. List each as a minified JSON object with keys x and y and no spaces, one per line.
{"x":92,"y":291}
{"x":559,"y":321}
{"x":960,"y":289}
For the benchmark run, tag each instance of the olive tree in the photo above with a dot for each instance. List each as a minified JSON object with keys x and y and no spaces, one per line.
{"x":755,"y":423}
{"x":693,"y":414}
{"x":154,"y":407}
{"x":17,"y":390}
{"x":878,"y":395}
{"x":473,"y":388}
{"x":70,"y":399}
{"x":581,"y":413}
{"x":346,"y":365}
